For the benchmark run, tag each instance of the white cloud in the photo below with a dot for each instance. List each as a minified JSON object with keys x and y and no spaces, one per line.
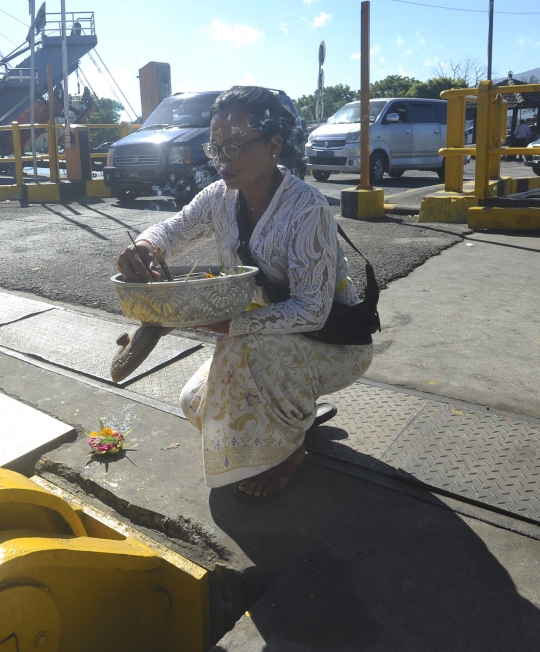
{"x":408,"y":53}
{"x":321,"y":20}
{"x":381,"y":59}
{"x":284,"y":27}
{"x":527,"y":41}
{"x":236,"y":34}
{"x":247,"y":80}
{"x":420,"y":38}
{"x":308,"y":3}
{"x":434,"y":62}
{"x":400,"y":41}
{"x":374,"y":50}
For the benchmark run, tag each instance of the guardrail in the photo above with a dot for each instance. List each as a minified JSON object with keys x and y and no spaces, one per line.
{"x":78,"y":23}
{"x":19,"y":158}
{"x":490,"y":134}
{"x":21,"y":75}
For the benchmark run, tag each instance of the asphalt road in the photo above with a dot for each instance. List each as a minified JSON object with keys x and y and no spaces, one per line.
{"x":67,"y":252}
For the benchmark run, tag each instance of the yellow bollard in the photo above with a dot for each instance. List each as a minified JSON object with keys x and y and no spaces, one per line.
{"x":455,"y":137}
{"x":484,"y":119}
{"x":17,"y":151}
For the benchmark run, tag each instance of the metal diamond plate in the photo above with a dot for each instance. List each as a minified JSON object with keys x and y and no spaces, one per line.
{"x":479,"y":455}
{"x":372,"y":417}
{"x":167,"y":383}
{"x":82,"y":342}
{"x":13,"y":307}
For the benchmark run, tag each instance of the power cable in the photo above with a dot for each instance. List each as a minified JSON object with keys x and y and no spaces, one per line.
{"x":87,"y":83}
{"x":101,"y":73}
{"x":114,"y":80}
{"x":8,"y":40}
{"x":476,"y":11}
{"x":19,"y":21}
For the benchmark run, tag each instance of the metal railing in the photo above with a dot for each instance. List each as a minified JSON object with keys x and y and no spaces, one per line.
{"x":21,"y":75}
{"x":490,"y":134}
{"x":78,"y":23}
{"x":19,"y":157}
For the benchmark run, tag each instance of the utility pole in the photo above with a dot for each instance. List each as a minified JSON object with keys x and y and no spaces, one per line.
{"x":490,"y":38}
{"x":364,"y":97}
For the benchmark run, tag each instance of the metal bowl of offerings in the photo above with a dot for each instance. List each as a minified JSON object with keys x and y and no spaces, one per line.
{"x":202,"y":295}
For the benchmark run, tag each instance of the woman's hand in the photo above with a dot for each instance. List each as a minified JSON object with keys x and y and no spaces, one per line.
{"x":131,"y":266}
{"x":218,"y":327}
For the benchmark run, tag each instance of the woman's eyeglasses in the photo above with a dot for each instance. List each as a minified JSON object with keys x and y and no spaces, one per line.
{"x":230,"y":150}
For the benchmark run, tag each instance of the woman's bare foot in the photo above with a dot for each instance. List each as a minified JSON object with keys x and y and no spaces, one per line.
{"x":252,"y":487}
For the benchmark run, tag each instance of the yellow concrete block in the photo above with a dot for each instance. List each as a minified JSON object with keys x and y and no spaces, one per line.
{"x":7,"y":192}
{"x":507,"y":219}
{"x":362,"y":204}
{"x":449,"y":207}
{"x":97,"y":188}
{"x":43,"y":192}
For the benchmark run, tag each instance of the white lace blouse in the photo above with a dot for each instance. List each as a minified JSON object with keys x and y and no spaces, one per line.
{"x":294,"y":243}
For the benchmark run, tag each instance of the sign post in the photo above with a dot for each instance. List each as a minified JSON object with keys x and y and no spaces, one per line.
{"x":32,"y":12}
{"x":67,"y":135}
{"x":319,"y":106}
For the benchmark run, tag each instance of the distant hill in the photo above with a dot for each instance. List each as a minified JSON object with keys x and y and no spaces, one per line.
{"x":524,"y":76}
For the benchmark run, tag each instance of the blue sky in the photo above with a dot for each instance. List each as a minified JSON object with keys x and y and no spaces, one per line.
{"x":214,"y":44}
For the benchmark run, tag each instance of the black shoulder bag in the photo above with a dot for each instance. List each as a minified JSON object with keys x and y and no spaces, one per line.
{"x":345,"y":324}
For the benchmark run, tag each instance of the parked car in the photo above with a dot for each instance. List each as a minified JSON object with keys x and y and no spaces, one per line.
{"x":166,"y":157}
{"x":533,"y":160}
{"x":101,"y":162}
{"x":104,"y":147}
{"x":406,"y":134}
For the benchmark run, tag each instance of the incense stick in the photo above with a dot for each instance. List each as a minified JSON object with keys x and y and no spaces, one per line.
{"x":140,"y":256}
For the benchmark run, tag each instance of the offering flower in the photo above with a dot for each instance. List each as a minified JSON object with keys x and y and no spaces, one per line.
{"x":106,"y":440}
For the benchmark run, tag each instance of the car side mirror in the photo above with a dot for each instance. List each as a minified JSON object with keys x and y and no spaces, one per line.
{"x":392,"y":117}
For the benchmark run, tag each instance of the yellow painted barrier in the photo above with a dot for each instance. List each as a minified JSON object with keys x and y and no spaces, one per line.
{"x":74,"y":578}
{"x":455,"y":203}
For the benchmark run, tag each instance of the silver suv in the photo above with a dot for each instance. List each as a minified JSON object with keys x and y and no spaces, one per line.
{"x":406,"y":134}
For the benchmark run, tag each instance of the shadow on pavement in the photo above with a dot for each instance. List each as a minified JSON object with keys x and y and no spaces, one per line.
{"x":350,"y":566}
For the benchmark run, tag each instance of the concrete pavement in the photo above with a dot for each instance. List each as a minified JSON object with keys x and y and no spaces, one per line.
{"x":350,"y":558}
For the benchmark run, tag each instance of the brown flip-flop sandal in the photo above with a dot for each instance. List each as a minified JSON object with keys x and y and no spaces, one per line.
{"x":271,"y":484}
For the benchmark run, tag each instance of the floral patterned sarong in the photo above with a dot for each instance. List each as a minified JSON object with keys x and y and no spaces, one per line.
{"x":255,"y":398}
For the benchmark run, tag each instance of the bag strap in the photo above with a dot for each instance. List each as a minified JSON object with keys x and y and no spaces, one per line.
{"x":244,"y":236}
{"x":348,"y":241}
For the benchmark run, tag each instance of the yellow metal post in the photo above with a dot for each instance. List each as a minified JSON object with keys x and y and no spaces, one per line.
{"x":499,"y":107}
{"x":124,"y":129}
{"x":455,"y":137}
{"x":17,"y":151}
{"x":484,"y":120}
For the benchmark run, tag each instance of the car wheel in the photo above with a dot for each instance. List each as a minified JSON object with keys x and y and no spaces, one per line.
{"x":125,"y":196}
{"x":376,"y":167}
{"x":396,"y":173}
{"x":296,"y":171}
{"x":441,"y":171}
{"x":536,"y":171}
{"x":319,"y":175}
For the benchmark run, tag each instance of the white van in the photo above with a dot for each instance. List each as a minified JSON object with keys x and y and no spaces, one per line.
{"x":406,"y":134}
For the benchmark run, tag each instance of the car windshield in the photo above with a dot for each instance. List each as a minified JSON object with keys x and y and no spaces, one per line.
{"x":351,"y":113}
{"x":183,"y":111}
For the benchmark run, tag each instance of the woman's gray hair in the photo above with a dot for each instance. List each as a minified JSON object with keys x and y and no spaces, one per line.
{"x":271,"y":117}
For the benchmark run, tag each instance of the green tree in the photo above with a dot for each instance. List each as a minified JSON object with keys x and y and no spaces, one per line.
{"x":334,"y":97}
{"x":107,"y":113}
{"x":432,"y":88}
{"x":392,"y":86}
